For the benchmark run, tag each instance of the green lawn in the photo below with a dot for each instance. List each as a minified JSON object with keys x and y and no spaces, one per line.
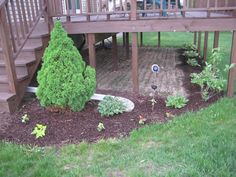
{"x":178,"y":39}
{"x":195,"y":144}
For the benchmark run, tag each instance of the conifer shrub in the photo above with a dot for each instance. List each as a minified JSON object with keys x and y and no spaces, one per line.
{"x":64,"y":79}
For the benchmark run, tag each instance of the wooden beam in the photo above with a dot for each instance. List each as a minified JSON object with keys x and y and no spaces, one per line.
{"x":195,"y":38}
{"x":159,"y":39}
{"x":208,"y":24}
{"x":92,"y":52}
{"x":232,"y":72}
{"x":135,"y":77}
{"x":141,"y":39}
{"x":114,"y":53}
{"x":7,"y":52}
{"x":199,"y":42}
{"x":216,"y":39}
{"x":127,"y":45}
{"x":205,"y":46}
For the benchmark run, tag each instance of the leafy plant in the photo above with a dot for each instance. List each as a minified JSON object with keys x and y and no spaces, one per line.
{"x":142,"y":120}
{"x":24,"y":118}
{"x":64,"y":79}
{"x":110,"y":106}
{"x":100,"y":127}
{"x":210,"y":79}
{"x":189,"y":47}
{"x":39,"y":131}
{"x":191,"y":54}
{"x":192,"y":62}
{"x":176,"y":101}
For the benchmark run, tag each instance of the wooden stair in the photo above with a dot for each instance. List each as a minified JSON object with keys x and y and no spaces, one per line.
{"x":26,"y":65}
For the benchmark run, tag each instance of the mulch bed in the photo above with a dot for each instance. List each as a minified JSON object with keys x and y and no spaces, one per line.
{"x":74,"y":127}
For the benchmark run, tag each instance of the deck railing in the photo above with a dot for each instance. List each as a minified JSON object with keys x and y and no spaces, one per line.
{"x":95,"y":10}
{"x":18,"y":19}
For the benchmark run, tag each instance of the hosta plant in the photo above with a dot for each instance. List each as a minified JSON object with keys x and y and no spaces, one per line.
{"x":176,"y":101}
{"x":110,"y":106}
{"x":39,"y":131}
{"x":191,"y":54}
{"x":64,"y":79}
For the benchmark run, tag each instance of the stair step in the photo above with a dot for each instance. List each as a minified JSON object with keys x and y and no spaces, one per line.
{"x":20,"y":62}
{"x":41,"y":30}
{"x":4,"y":79}
{"x":6,"y":96}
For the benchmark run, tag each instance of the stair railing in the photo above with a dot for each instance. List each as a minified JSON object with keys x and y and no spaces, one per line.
{"x":18,"y":19}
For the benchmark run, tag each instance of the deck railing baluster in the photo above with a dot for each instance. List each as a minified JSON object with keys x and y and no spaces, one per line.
{"x":15,"y":21}
{"x":20,"y":19}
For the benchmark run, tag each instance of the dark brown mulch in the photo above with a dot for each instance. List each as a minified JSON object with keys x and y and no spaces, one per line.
{"x":74,"y":127}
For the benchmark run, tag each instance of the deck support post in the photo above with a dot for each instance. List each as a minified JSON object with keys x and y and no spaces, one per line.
{"x":114,"y":53}
{"x":127,"y":45}
{"x":205,"y":46}
{"x":135,"y":77}
{"x":199,"y":42}
{"x":141,"y":39}
{"x":195,"y":38}
{"x":159,"y":39}
{"x":123,"y":36}
{"x":7,"y":52}
{"x":232,"y":72}
{"x":216,"y":39}
{"x":92,"y":52}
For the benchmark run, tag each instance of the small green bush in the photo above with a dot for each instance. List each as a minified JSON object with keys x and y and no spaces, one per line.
{"x":189,"y":47}
{"x":176,"y":101}
{"x":210,"y":79}
{"x":110,"y":106}
{"x":192,"y":62}
{"x":191,"y":54}
{"x":64,"y":79}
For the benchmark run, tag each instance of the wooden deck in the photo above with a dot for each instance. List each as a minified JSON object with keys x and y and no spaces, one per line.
{"x":169,"y":80}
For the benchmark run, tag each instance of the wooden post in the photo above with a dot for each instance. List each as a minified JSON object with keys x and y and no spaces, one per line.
{"x":159,"y":39}
{"x":205,"y":46}
{"x":232,"y":72}
{"x":141,"y":39}
{"x":195,"y":38}
{"x":92,"y":52}
{"x":123,"y":39}
{"x":127,"y":45}
{"x":135,"y":77}
{"x":199,"y":42}
{"x":216,"y":39}
{"x":47,"y":15}
{"x":114,"y":53}
{"x":7,"y":52}
{"x":133,"y":14}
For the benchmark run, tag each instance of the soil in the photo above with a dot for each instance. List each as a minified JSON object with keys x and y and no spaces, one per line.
{"x":74,"y":127}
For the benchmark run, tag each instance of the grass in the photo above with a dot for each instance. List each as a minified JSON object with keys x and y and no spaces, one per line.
{"x":178,"y":39}
{"x":195,"y":144}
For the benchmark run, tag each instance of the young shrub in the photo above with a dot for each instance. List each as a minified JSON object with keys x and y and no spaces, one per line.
{"x":192,"y":62}
{"x":189,"y":47}
{"x":176,"y":101}
{"x":64,"y":79}
{"x":210,"y":79}
{"x":110,"y":106}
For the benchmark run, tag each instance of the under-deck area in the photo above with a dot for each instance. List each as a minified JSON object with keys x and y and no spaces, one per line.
{"x":170,"y":80}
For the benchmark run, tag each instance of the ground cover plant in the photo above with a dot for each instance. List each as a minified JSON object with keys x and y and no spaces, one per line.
{"x":64,"y":79}
{"x":176,"y":101}
{"x":195,"y":144}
